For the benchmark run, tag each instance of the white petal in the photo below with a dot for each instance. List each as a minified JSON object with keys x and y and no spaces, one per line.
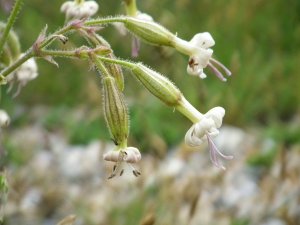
{"x":191,"y":139}
{"x":67,"y":5}
{"x":216,"y":114}
{"x":203,"y":40}
{"x":194,"y":70}
{"x":202,"y":57}
{"x":144,"y":16}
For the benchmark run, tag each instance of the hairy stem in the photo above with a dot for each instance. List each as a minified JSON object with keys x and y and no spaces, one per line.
{"x":117,"y":61}
{"x":10,"y":22}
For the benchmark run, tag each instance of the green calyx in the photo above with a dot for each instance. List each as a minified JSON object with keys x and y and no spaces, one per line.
{"x":157,"y":84}
{"x":115,"y":111}
{"x":149,"y":31}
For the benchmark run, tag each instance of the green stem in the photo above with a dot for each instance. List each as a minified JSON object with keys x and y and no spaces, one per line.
{"x":10,"y":22}
{"x":107,"y":20}
{"x":130,"y":7}
{"x":118,"y":61}
{"x":189,"y":111}
{"x":59,"y":53}
{"x":79,"y":1}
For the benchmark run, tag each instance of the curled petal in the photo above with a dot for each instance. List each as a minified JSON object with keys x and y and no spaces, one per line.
{"x":191,"y":139}
{"x":132,"y":155}
{"x":112,"y":156}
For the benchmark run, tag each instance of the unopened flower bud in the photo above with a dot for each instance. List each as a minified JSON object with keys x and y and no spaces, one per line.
{"x":11,"y":49}
{"x":149,"y":31}
{"x":4,"y":119}
{"x":115,"y":111}
{"x":157,"y":84}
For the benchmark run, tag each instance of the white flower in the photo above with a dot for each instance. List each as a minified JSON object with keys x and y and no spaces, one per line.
{"x":128,"y":155}
{"x":200,"y":53}
{"x":25,"y":73}
{"x":79,"y":10}
{"x":205,"y":129}
{"x":4,"y":119}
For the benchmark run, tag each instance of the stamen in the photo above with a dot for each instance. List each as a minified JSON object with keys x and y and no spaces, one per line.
{"x":216,"y":72}
{"x":227,"y":71}
{"x":214,"y":151}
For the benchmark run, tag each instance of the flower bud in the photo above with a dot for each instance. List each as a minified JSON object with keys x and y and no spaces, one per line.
{"x":158,"y":85}
{"x":115,"y":70}
{"x":149,"y":31}
{"x":115,"y":111}
{"x":11,"y":49}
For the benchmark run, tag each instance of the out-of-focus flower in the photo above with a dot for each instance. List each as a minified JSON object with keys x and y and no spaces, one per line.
{"x":26,"y":72}
{"x":79,"y":9}
{"x":4,"y":119}
{"x":200,"y":53}
{"x":127,"y":155}
{"x":205,"y":129}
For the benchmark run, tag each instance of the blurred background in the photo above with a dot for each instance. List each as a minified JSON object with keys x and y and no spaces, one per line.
{"x":52,"y":151}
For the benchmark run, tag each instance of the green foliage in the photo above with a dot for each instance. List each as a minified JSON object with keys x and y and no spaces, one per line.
{"x":263,"y":159}
{"x":240,"y":222}
{"x":81,"y":127}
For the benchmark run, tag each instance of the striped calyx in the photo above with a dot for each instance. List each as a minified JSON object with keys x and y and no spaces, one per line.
{"x":115,"y":111}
